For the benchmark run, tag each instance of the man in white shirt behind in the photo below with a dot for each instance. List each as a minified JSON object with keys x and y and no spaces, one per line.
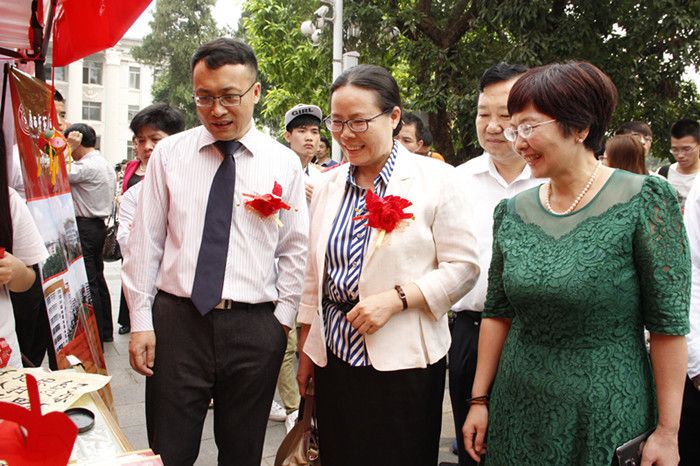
{"x":497,"y":174}
{"x":689,"y":432}
{"x":685,"y":148}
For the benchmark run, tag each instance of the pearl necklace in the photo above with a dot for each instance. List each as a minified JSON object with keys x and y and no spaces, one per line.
{"x":573,"y":205}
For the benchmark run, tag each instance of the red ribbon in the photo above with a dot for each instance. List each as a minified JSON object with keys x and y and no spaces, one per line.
{"x":267,"y":204}
{"x":385,"y":213}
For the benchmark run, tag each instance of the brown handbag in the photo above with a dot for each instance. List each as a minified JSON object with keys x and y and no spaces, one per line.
{"x":300,"y":445}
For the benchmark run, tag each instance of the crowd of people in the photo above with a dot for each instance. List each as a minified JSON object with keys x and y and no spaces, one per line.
{"x":549,"y":278}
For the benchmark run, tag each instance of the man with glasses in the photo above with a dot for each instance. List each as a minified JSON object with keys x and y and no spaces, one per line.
{"x":497,"y":174}
{"x":213,"y":284}
{"x":685,"y":136}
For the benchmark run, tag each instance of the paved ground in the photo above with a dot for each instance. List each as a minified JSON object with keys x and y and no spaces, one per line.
{"x":128,"y":391}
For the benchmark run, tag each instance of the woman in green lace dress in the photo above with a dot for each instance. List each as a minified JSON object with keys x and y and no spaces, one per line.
{"x":580,"y":266}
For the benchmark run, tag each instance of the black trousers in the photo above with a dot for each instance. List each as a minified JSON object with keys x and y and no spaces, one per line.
{"x":92,"y":237}
{"x":123,"y":318}
{"x":689,"y":433}
{"x":371,"y":418}
{"x":462,"y":357}
{"x":32,"y":324}
{"x":232,"y":356}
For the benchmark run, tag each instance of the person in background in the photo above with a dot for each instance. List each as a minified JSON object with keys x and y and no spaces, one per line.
{"x":213,"y":284}
{"x":427,"y":148}
{"x":580,"y":266}
{"x":411,"y":134}
{"x":92,"y":184}
{"x":323,"y":156}
{"x":625,"y":152}
{"x":149,"y":126}
{"x":374,"y":330}
{"x":22,"y":248}
{"x":689,"y":431}
{"x":303,"y":132}
{"x":685,"y":148}
{"x":639,"y":130}
{"x":499,"y":173}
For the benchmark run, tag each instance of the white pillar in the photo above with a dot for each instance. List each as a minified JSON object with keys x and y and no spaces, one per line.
{"x":113,"y":112}
{"x":337,"y":59}
{"x":74,"y":97}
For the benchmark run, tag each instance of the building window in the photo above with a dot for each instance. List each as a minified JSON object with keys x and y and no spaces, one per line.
{"x":134,"y":77}
{"x":131,"y":113}
{"x":59,"y":73}
{"x":92,"y":72}
{"x":130,"y":151}
{"x":92,"y":111}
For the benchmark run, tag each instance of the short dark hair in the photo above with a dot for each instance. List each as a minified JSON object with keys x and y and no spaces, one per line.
{"x":57,"y":96}
{"x":577,"y":94}
{"x":635,"y":127}
{"x":89,"y":137}
{"x":225,"y":51}
{"x":626,"y":152}
{"x":500,"y":72}
{"x":409,"y":118}
{"x":303,"y":120}
{"x":373,"y":78}
{"x":686,"y":127}
{"x":161,"y":116}
{"x":325,"y":141}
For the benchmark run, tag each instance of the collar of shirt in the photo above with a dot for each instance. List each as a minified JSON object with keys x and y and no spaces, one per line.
{"x":253,"y":140}
{"x":484,"y":165}
{"x":384,"y":175}
{"x":90,"y":155}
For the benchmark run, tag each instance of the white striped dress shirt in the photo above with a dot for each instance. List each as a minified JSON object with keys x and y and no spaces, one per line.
{"x":347,"y":245}
{"x":265,"y":261}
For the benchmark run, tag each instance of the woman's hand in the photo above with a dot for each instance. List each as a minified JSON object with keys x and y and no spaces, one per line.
{"x":13,"y":273}
{"x":370,"y":314}
{"x":305,"y":373}
{"x":661,"y":448}
{"x":474,"y":431}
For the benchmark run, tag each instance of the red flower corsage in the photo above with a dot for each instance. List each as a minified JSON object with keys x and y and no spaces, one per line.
{"x":5,"y":352}
{"x":268,"y":204}
{"x":385,"y":213}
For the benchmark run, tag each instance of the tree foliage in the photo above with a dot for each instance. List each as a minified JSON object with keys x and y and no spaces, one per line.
{"x":177,"y":28}
{"x":438,"y":49}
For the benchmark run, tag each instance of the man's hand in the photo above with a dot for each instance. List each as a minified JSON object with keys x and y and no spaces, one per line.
{"x":74,"y":139}
{"x":142,"y":352}
{"x":309,"y":189}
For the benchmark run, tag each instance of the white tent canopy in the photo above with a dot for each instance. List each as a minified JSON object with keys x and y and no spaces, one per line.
{"x":15,"y":20}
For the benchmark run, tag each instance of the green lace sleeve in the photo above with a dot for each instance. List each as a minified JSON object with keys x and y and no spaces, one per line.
{"x":662,"y":259}
{"x":497,"y":304}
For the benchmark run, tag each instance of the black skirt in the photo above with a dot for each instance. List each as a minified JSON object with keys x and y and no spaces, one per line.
{"x":368,"y":417}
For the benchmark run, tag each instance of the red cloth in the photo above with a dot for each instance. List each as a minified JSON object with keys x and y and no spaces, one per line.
{"x":129,"y":170}
{"x":83,"y":27}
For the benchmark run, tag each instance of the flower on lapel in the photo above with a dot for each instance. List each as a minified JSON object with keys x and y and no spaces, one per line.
{"x":5,"y":352}
{"x":269,"y":204}
{"x":385,"y":213}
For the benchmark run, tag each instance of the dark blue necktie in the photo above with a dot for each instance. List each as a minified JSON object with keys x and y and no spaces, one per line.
{"x":211,"y":263}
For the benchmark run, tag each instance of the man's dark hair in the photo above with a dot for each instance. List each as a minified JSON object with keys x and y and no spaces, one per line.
{"x":303,"y":120}
{"x":500,"y":72}
{"x":225,"y":51}
{"x":409,"y":118}
{"x":161,"y":116}
{"x":635,"y":127}
{"x":376,"y":79}
{"x":686,"y":127}
{"x":89,"y":136}
{"x":57,"y":96}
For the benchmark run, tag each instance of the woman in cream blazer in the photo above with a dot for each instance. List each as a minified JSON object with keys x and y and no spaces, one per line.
{"x":373,"y":312}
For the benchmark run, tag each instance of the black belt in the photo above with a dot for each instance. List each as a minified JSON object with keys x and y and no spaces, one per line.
{"x":344,"y":307}
{"x":224,"y":304}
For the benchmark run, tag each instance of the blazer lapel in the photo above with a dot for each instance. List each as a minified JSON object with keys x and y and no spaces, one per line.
{"x":399,"y":185}
{"x":333,"y":197}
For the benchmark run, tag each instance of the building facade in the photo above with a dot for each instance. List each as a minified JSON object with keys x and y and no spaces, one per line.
{"x":105,"y":90}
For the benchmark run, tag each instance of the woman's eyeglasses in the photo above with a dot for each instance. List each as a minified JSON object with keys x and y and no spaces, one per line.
{"x":523,"y":130}
{"x":356,"y":125}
